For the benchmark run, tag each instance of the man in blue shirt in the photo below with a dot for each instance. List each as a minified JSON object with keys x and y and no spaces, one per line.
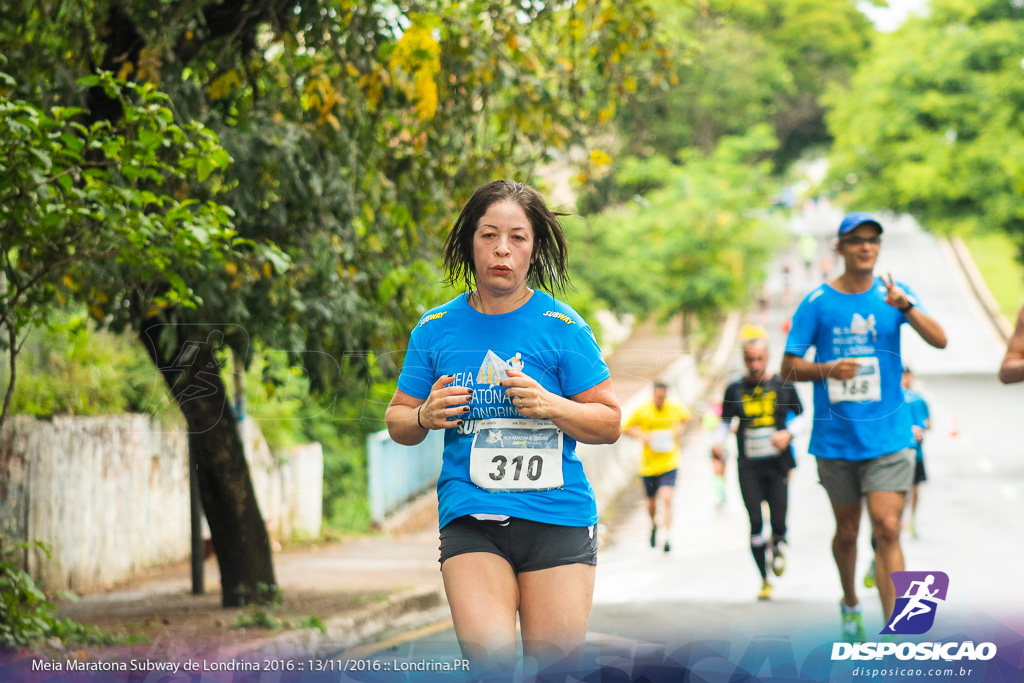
{"x":861,"y":438}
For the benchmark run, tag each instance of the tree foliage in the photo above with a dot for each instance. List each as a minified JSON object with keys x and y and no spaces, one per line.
{"x":735,"y":63}
{"x":28,"y":617}
{"x":693,"y":239}
{"x":356,"y":130}
{"x":932,"y":123}
{"x":76,"y":198}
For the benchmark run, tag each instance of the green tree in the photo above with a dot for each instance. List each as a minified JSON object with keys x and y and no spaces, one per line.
{"x":72,"y":196}
{"x":357,"y":130}
{"x":932,"y":123}
{"x":95,"y":213}
{"x":735,"y":63}
{"x":695,"y":243}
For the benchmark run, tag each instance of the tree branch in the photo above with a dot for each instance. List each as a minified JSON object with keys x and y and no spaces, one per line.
{"x":12,"y":338}
{"x":84,"y":164}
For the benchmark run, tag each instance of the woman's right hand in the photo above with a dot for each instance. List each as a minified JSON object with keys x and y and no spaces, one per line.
{"x":443,"y":403}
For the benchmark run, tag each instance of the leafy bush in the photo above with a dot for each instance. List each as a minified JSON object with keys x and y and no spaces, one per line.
{"x":637,"y":177}
{"x":358,"y":411}
{"x":27,"y":618}
{"x":276,"y":393}
{"x":68,"y":369}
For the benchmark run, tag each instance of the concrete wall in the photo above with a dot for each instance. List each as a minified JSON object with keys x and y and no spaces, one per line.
{"x":289,"y":488}
{"x":109,"y":495}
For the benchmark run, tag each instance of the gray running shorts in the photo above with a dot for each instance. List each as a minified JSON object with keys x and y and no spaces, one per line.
{"x":846,"y":481}
{"x":528,"y":546}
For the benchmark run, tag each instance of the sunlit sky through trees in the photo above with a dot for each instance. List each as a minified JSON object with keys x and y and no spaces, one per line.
{"x":889,"y":18}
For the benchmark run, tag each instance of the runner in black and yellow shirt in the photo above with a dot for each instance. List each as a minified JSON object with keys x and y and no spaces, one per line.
{"x":761,"y":404}
{"x":659,"y":423}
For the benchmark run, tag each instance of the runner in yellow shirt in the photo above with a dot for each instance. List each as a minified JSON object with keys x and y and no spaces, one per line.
{"x":659,"y":424}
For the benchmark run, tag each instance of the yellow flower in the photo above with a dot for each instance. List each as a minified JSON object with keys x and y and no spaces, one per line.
{"x":224,"y":84}
{"x":599,"y":158}
{"x":417,"y":41}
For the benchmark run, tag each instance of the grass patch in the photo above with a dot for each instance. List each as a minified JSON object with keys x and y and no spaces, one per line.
{"x":995,"y":255}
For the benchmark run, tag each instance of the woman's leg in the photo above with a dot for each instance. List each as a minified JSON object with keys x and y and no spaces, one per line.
{"x":554,"y":610}
{"x":483,"y":594}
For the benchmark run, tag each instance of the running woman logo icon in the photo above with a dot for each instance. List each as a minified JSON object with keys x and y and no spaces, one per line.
{"x":915,"y":610}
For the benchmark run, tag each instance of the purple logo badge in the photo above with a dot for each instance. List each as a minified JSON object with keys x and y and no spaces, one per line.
{"x":918,"y":596}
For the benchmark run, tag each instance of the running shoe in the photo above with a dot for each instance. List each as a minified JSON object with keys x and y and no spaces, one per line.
{"x":667,"y":547}
{"x":718,"y":486}
{"x":853,"y":623}
{"x":654,"y":537}
{"x":778,"y":559}
{"x":766,"y":591}
{"x":869,"y":578}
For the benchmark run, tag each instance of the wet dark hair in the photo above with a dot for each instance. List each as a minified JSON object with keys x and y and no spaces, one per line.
{"x":550,"y":251}
{"x":660,"y":384}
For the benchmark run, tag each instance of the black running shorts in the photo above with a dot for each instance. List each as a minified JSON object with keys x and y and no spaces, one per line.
{"x":526,"y":545}
{"x":655,"y":482}
{"x":919,"y":473}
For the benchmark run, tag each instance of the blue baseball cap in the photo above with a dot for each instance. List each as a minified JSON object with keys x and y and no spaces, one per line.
{"x":856,"y":219}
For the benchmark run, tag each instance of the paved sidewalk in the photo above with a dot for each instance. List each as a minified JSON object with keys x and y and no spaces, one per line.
{"x":360,"y":589}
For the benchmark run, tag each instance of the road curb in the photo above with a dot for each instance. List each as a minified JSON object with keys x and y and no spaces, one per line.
{"x":346,"y":630}
{"x":978,"y":287}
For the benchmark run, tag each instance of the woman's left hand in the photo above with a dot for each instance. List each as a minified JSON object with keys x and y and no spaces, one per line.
{"x":527,"y":395}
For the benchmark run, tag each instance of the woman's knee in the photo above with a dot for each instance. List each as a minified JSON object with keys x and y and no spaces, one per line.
{"x":555,"y":608}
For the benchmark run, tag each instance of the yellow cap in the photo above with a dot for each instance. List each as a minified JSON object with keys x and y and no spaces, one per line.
{"x":749,"y":332}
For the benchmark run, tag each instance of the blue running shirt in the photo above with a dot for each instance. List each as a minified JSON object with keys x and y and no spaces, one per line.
{"x":548,"y":341}
{"x":861,"y":418}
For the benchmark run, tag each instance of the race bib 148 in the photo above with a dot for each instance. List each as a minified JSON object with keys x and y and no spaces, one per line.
{"x":864,"y":387}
